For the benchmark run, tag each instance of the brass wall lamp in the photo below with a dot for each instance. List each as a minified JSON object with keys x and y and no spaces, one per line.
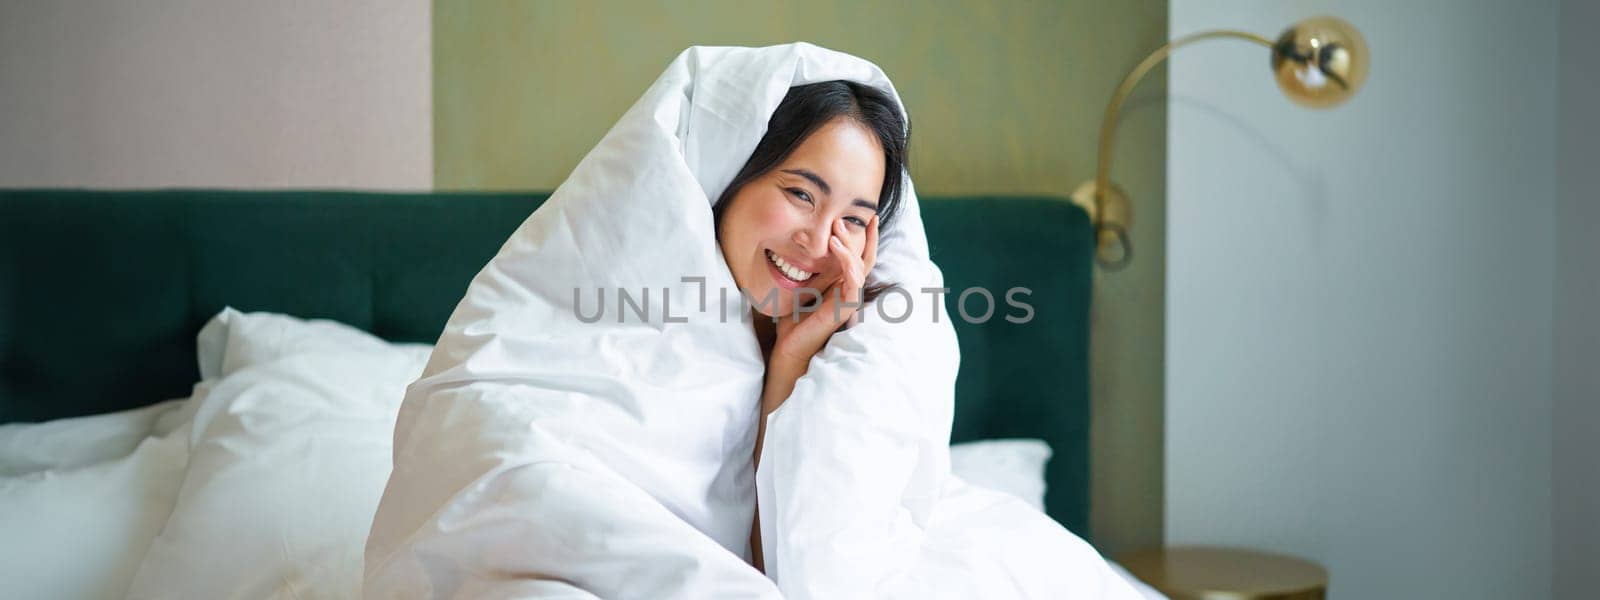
{"x":1319,"y":63}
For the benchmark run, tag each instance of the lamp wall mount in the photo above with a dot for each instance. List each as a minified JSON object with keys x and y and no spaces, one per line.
{"x":1318,"y":63}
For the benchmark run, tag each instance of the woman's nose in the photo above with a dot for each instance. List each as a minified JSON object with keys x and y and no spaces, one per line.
{"x":814,"y":238}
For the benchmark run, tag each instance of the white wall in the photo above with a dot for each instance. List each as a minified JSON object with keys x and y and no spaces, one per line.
{"x":1360,"y":301}
{"x":233,"y":93}
{"x":1575,"y":473}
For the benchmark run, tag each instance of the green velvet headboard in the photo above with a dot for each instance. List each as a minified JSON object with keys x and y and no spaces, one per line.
{"x":102,"y":293}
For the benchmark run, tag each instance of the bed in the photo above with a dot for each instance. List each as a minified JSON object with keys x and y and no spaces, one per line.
{"x":102,"y":295}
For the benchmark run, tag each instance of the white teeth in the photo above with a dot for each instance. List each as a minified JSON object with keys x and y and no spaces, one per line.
{"x":788,"y":270}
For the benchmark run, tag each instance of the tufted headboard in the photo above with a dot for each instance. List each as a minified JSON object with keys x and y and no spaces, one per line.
{"x":102,"y":293}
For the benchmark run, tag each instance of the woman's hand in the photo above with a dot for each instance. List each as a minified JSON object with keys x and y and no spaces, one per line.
{"x":798,"y":341}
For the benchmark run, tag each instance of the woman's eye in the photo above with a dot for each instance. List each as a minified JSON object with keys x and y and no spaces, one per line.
{"x":801,"y":194}
{"x":856,"y":221}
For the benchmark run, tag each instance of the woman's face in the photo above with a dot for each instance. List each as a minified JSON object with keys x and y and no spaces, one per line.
{"x":774,"y":233}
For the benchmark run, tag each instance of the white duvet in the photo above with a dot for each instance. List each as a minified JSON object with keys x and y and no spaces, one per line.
{"x":540,"y":455}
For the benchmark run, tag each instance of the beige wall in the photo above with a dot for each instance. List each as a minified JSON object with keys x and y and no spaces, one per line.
{"x":230,"y":93}
{"x":1004,"y":98}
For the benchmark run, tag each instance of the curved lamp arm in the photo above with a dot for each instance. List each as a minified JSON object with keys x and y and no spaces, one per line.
{"x":1319,"y":62}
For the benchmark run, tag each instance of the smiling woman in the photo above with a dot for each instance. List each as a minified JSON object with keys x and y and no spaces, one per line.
{"x":542,"y":451}
{"x":829,"y":166}
{"x":802,"y":215}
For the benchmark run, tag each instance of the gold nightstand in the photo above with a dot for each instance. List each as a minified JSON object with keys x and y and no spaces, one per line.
{"x":1206,"y":573}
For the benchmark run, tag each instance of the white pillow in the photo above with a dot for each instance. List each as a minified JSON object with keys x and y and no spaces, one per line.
{"x":289,"y":452}
{"x":77,"y":442}
{"x":1014,"y":467}
{"x":232,"y":340}
{"x":82,"y":533}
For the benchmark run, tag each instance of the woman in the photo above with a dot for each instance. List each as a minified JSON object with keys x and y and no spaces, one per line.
{"x":802,"y":215}
{"x":589,"y":422}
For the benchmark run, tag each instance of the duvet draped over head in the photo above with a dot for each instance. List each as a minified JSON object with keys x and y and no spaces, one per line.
{"x":564,"y":442}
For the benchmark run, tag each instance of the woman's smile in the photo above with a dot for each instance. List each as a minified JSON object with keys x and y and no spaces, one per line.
{"x":785,"y":273}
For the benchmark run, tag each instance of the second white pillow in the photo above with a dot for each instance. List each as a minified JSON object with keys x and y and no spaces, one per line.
{"x":1012,"y":466}
{"x":289,"y":452}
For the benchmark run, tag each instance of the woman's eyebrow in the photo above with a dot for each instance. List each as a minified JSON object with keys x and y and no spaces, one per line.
{"x":813,"y":177}
{"x":817,"y":179}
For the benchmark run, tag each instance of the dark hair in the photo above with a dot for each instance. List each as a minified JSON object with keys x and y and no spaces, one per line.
{"x":805,"y":109}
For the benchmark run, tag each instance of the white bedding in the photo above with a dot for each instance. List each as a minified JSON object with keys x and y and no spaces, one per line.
{"x":288,"y":451}
{"x":81,"y":532}
{"x":260,"y":485}
{"x":68,"y":443}
{"x":290,"y":455}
